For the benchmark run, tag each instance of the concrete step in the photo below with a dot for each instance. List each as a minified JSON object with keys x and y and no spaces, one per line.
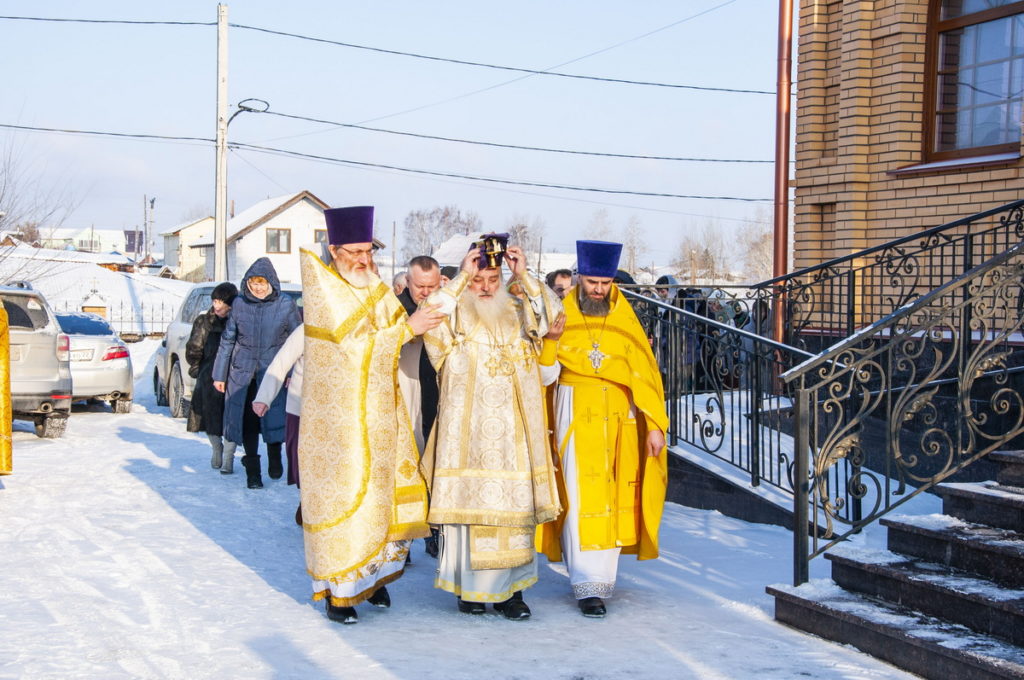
{"x":932,"y":589}
{"x":990,"y":553}
{"x":984,"y":503}
{"x":1011,"y":467}
{"x":924,"y":645}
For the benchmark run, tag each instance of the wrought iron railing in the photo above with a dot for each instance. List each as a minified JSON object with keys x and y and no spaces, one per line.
{"x":828,"y":302}
{"x":907,"y":401}
{"x":722,"y":387}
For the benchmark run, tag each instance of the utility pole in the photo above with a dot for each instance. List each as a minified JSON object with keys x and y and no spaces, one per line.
{"x":145,"y":226}
{"x":220,"y":202}
{"x":780,"y":240}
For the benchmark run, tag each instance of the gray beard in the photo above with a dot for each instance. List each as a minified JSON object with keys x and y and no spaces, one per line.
{"x":490,"y":311}
{"x":591,"y":307}
{"x":358,"y":279}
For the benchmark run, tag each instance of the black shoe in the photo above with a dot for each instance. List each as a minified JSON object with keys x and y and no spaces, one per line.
{"x":471,"y":607}
{"x":430,"y":543}
{"x":254,"y":482}
{"x":514,"y":608}
{"x":274,"y":468}
{"x":252,"y":472}
{"x":592,"y":607}
{"x":380,"y":598}
{"x":298,"y":515}
{"x":341,"y":614}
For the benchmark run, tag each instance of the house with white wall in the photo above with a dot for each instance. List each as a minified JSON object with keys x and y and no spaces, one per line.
{"x":187,"y":263}
{"x":274,"y":228}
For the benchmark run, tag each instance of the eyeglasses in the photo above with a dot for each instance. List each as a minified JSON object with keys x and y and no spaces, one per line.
{"x":368,"y":252}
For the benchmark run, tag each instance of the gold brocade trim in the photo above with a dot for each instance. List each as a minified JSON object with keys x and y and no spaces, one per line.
{"x":473,"y":596}
{"x":408,"y":531}
{"x":346,"y":326}
{"x":409,"y":494}
{"x":361,"y":597}
{"x":357,"y":501}
{"x":399,"y":312}
{"x":514,"y":475}
{"x":493,"y":518}
{"x":340,"y":575}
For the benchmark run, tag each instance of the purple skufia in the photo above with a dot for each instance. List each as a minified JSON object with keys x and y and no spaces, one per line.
{"x":349,"y":225}
{"x":597,"y":258}
{"x":503,"y":238}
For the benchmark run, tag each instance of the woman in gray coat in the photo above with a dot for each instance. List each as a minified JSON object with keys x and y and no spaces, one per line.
{"x":261,"y":320}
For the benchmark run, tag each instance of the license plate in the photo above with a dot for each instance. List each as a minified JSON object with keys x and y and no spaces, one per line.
{"x":15,"y":352}
{"x":81,"y":355}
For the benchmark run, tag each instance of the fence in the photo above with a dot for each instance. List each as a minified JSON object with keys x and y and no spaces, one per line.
{"x":130,"y":321}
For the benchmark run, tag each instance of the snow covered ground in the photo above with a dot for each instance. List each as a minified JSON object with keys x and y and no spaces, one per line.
{"x":123,"y":555}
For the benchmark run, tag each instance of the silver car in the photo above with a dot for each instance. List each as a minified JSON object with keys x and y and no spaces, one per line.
{"x":101,"y":367}
{"x":172,"y":384}
{"x":40,"y":374}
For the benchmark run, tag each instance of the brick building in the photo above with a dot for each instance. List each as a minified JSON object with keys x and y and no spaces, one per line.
{"x":908,"y":116}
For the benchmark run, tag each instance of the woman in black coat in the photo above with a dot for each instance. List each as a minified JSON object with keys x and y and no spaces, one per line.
{"x":207,"y":412}
{"x":261,"y":320}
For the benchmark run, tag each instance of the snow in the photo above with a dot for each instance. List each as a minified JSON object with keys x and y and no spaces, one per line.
{"x":123,"y":555}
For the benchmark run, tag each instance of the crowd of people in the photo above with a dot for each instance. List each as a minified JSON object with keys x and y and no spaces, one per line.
{"x":496,"y":417}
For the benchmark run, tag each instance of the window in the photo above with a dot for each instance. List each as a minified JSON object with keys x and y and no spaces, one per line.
{"x":320,"y":235}
{"x":279,"y":240}
{"x":977,"y":76}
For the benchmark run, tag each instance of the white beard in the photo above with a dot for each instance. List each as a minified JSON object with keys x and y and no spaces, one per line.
{"x":359,"y":279}
{"x":492,"y":310}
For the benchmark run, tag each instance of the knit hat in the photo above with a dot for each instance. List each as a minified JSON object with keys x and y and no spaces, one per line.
{"x":225,"y":292}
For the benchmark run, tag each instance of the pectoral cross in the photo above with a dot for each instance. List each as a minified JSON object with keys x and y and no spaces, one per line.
{"x":596,"y":357}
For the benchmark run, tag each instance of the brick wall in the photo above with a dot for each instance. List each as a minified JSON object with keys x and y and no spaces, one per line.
{"x":859,"y":110}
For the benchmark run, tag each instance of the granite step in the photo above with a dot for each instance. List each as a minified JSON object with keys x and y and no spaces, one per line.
{"x":991,"y":553}
{"x":930,"y":647}
{"x":988,"y":503}
{"x":932,"y":589}
{"x":1011,"y":470}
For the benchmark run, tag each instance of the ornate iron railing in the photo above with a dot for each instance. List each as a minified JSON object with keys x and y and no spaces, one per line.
{"x":828,"y":302}
{"x":908,"y":401}
{"x":722,"y":387}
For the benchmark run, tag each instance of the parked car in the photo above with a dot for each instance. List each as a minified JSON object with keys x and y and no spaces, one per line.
{"x":101,"y":367}
{"x":172,"y":384}
{"x":40,"y":372}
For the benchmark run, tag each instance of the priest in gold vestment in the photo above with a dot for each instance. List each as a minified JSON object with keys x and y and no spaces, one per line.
{"x":363,"y":498}
{"x":610,"y":420}
{"x":488,"y":461}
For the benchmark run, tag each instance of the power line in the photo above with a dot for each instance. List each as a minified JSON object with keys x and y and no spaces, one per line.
{"x":106,"y":134}
{"x":509,"y":146}
{"x":344,"y":161}
{"x":515,"y":69}
{"x":436,"y":173}
{"x":113,"y":21}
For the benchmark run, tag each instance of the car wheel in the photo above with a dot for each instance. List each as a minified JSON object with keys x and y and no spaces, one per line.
{"x":158,"y":389}
{"x":121,"y":405}
{"x":51,"y":427}
{"x":176,"y":392}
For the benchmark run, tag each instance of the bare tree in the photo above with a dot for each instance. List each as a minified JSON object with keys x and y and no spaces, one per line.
{"x":197,"y":212}
{"x":600,"y":226}
{"x":425,"y":230}
{"x":756,"y":240}
{"x":28,"y":199}
{"x":705,"y":254}
{"x":633,"y":244}
{"x":526,"y":233}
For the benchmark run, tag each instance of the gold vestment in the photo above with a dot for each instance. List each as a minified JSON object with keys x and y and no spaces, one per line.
{"x":609,"y":364}
{"x":361,"y":486}
{"x":488,"y":460}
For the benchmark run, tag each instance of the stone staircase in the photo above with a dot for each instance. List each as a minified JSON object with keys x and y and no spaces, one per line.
{"x":946,"y":600}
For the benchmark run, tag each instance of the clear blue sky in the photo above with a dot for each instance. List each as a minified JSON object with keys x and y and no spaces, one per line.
{"x":161,"y":80}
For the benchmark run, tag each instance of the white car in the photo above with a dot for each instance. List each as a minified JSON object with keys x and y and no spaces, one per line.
{"x":101,"y":366}
{"x":172,"y":384}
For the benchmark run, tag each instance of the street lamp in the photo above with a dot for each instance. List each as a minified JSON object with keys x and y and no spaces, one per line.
{"x":220,"y":214}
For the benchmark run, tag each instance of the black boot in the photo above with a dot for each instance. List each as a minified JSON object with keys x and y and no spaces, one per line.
{"x":252,"y":471}
{"x":471,"y":607}
{"x":514,"y":608}
{"x":430,"y":543}
{"x":341,"y":614}
{"x":380,"y":598}
{"x":274,"y":468}
{"x":592,"y":607}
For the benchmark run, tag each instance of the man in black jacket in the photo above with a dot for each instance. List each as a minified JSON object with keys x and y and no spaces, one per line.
{"x":416,"y":377}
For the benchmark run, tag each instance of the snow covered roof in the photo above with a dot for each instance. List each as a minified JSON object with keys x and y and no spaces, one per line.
{"x":256,"y":214}
{"x":139,"y":303}
{"x":54,"y":255}
{"x":184,"y":225}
